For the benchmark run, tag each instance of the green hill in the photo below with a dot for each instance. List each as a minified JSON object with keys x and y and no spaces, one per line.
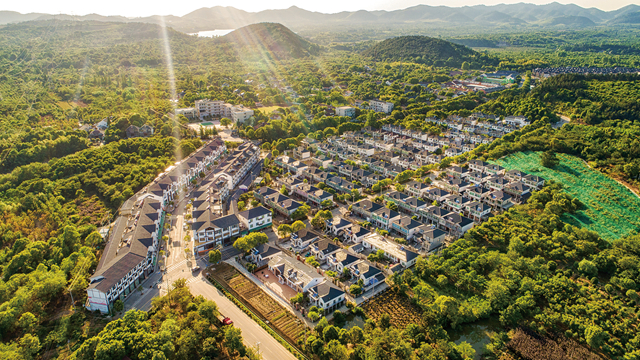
{"x":627,"y":18}
{"x":570,"y":21}
{"x":422,"y":49}
{"x":271,"y":40}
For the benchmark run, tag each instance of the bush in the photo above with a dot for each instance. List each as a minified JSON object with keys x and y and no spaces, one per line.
{"x":338,"y":318}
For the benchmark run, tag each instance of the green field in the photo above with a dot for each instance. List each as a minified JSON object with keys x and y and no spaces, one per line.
{"x":611,"y":209}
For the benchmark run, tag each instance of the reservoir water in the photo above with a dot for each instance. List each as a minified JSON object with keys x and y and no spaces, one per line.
{"x":213,"y":33}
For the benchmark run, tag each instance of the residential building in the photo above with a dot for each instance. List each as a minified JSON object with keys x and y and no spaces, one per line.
{"x":369,"y":274}
{"x":381,"y":106}
{"x":130,"y":254}
{"x":365,"y":209}
{"x":340,"y":260}
{"x":210,"y":230}
{"x":293,"y":273}
{"x":406,"y":227}
{"x":262,"y":253}
{"x":383,"y":217}
{"x":301,"y":239}
{"x":346,"y":111}
{"x":321,"y":249}
{"x":255,"y":219}
{"x":393,"y":251}
{"x":327,"y":296}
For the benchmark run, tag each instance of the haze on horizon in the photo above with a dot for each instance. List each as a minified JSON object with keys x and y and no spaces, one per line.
{"x":142,"y":9}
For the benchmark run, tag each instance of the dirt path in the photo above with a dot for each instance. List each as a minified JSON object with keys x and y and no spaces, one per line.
{"x":563,"y":120}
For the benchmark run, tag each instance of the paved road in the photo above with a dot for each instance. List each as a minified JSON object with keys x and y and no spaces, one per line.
{"x":252,"y":333}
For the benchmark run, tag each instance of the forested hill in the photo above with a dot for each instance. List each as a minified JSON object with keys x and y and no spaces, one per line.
{"x":424,"y":49}
{"x":271,"y":40}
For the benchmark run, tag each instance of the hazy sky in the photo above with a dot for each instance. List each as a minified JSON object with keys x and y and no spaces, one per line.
{"x":179,"y":8}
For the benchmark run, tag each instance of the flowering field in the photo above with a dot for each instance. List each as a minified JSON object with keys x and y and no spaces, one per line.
{"x":611,"y":209}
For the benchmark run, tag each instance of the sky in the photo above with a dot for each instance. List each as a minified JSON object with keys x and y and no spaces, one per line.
{"x":139,"y":8}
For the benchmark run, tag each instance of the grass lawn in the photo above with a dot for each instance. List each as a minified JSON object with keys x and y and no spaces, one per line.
{"x":611,"y":209}
{"x":66,"y":105}
{"x":268,"y":109}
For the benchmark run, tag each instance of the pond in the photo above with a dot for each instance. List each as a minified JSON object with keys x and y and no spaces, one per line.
{"x":352,"y":320}
{"x":476,"y":334}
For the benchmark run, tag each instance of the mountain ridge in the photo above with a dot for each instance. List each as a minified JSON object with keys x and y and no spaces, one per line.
{"x":228,"y":17}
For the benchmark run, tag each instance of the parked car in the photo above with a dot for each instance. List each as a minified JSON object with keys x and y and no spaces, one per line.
{"x":224,"y":320}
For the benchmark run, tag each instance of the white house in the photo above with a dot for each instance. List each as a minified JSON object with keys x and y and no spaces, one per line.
{"x":256,"y":219}
{"x":294,"y":274}
{"x":392,"y":250}
{"x":327,"y":296}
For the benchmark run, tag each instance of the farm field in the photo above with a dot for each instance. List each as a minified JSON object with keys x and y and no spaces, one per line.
{"x":611,"y":209}
{"x":259,"y":302}
{"x":399,"y":308}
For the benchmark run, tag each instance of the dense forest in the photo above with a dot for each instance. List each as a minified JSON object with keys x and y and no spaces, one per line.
{"x":547,"y":282}
{"x":525,"y":267}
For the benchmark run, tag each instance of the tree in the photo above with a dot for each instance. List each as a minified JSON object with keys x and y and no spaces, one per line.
{"x":466,"y":350}
{"x":30,"y":345}
{"x":301,"y":212}
{"x":118,"y":305}
{"x":250,"y":241}
{"x":215,"y":256}
{"x":404,"y":176}
{"x":297,"y":226}
{"x":549,"y":159}
{"x":336,"y":351}
{"x":587,"y":267}
{"x":225,"y":122}
{"x":326,"y":204}
{"x":275,"y":153}
{"x":330,"y":333}
{"x":284,"y":230}
{"x":355,"y":290}
{"x":284,"y":191}
{"x":27,"y":322}
{"x":233,"y":340}
{"x":297,"y":299}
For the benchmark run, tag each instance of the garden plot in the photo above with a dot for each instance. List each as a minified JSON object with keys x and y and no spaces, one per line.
{"x":400,"y":309}
{"x":258,"y":301}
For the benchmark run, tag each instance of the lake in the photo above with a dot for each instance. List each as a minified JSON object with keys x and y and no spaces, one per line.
{"x":213,"y":33}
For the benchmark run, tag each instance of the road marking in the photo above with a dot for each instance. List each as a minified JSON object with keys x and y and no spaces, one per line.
{"x":176,"y":266}
{"x":193,"y":279}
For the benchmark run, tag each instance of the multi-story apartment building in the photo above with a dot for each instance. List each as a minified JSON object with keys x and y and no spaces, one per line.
{"x":210,"y":230}
{"x":218,"y":108}
{"x":346,"y":111}
{"x":130,"y":253}
{"x":381,"y":106}
{"x":179,"y":176}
